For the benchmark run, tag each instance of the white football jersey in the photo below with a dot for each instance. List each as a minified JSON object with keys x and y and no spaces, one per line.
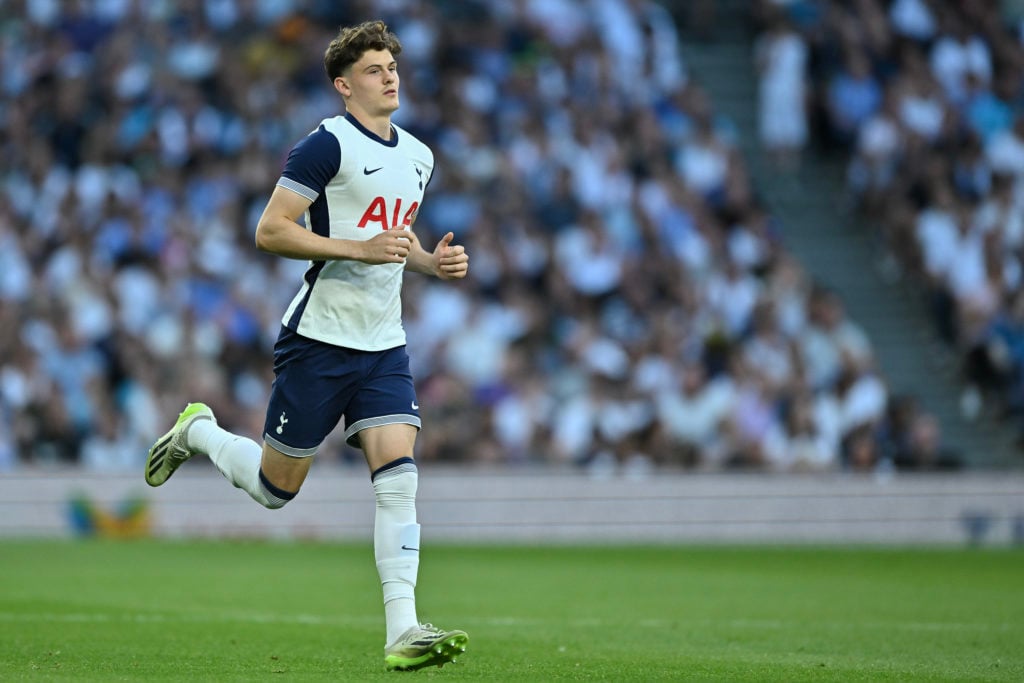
{"x":359,"y":184}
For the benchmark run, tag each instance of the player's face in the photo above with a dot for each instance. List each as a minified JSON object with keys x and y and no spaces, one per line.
{"x":373,"y":82}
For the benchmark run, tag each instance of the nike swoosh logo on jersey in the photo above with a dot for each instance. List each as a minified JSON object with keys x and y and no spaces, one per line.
{"x":405,"y":547}
{"x":369,"y":171}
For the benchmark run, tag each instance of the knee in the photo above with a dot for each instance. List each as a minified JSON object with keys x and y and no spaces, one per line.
{"x":274,"y":497}
{"x":395,"y":484}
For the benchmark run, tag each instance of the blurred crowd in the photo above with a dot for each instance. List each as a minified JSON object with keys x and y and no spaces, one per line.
{"x":927,"y":99}
{"x":630,"y":303}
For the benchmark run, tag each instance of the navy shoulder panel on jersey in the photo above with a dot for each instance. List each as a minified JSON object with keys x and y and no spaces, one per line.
{"x":314,"y":160}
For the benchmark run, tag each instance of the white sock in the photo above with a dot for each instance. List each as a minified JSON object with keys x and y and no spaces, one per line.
{"x":396,"y":543}
{"x":237,"y":458}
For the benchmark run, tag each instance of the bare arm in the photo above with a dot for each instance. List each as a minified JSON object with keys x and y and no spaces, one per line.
{"x":278,"y":233}
{"x":446,"y":261}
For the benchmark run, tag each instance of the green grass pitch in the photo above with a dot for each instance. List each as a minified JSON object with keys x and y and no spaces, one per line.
{"x":247,"y":611}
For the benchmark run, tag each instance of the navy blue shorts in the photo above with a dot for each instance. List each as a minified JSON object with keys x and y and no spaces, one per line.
{"x":316,"y":384}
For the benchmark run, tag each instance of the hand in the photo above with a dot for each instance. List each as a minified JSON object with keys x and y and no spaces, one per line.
{"x":450,"y":262}
{"x":390,"y":246}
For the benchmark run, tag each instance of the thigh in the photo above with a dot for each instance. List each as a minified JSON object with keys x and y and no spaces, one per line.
{"x":382,"y":445}
{"x":284,"y":471}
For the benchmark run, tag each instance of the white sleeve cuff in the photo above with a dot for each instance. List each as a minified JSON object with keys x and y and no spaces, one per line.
{"x":298,"y":188}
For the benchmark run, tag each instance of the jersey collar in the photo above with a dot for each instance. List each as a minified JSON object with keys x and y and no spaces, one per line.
{"x":373,"y":136}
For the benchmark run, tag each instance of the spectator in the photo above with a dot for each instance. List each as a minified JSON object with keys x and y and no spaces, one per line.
{"x":805,"y":443}
{"x":854,"y":95}
{"x":831,"y":341}
{"x":692,"y":417}
{"x":782,"y":57}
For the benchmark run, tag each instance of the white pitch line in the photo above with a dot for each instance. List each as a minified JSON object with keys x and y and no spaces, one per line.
{"x":142,"y":618}
{"x":342,"y":620}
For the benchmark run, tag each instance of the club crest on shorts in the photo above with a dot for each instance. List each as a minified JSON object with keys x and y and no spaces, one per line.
{"x":280,"y":427}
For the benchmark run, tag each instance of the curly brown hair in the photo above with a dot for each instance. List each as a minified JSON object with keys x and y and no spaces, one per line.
{"x":352,"y":41}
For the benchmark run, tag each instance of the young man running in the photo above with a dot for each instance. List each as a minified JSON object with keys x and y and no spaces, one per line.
{"x":358,"y":180}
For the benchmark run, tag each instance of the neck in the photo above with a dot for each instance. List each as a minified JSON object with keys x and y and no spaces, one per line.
{"x":378,"y":125}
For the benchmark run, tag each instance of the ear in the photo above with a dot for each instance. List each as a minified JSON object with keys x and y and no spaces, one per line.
{"x":342,"y":86}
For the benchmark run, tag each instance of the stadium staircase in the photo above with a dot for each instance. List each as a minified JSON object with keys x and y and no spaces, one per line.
{"x":838,"y":250}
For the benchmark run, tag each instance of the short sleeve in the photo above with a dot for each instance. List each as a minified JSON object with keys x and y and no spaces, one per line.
{"x":311,"y":164}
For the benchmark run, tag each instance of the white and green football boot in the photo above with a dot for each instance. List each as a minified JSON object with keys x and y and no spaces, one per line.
{"x":171,"y":449}
{"x":423,"y":646}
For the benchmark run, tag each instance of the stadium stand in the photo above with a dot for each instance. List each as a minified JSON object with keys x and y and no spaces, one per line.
{"x":631,"y":305}
{"x":925,"y":100}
